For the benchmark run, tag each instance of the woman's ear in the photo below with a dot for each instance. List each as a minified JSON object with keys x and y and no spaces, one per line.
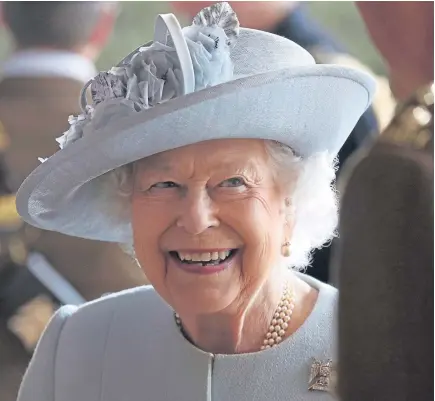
{"x":287,"y":209}
{"x":288,"y":220}
{"x":284,"y":209}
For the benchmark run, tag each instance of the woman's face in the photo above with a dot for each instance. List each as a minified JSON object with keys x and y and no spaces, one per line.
{"x":208,"y":223}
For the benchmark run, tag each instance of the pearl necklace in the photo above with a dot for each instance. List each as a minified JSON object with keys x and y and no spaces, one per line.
{"x":278,"y":325}
{"x":281,"y":319}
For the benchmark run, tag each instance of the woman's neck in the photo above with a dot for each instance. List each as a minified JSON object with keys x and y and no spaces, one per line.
{"x":238,"y":329}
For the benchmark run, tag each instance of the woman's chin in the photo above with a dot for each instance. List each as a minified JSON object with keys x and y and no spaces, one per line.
{"x":201,"y":289}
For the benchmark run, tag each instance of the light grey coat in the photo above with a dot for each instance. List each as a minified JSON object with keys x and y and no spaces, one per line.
{"x":127,"y":347}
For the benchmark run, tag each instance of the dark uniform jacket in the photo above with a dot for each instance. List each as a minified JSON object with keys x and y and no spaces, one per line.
{"x":385,"y":263}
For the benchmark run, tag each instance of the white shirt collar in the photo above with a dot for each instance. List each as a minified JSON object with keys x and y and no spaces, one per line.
{"x":42,"y":63}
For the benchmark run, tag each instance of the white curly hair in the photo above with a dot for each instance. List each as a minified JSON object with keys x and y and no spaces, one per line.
{"x":312,"y":194}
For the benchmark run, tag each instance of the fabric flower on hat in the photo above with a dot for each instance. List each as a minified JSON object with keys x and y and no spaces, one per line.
{"x":153,"y":75}
{"x":106,"y":86}
{"x":76,"y":128}
{"x":210,"y":39}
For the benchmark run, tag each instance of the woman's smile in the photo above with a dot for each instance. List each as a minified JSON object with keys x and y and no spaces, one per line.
{"x":202,"y":261}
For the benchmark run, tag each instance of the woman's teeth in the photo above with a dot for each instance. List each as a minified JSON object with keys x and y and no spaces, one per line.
{"x":203,"y":257}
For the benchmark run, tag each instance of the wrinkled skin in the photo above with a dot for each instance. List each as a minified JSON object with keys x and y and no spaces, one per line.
{"x":215,"y":194}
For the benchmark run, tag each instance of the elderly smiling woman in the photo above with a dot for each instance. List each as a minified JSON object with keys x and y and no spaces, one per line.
{"x":209,"y":153}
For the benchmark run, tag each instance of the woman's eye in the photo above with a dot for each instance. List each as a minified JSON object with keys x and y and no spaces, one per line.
{"x":165,"y":184}
{"x":233,"y":182}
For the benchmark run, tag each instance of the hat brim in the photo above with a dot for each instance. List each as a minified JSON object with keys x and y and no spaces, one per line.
{"x":311,"y":109}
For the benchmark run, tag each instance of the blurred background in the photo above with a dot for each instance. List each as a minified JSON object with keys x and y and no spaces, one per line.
{"x":136,"y":21}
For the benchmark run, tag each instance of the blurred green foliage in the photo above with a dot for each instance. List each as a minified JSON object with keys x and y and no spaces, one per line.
{"x":136,"y":23}
{"x":343,"y":20}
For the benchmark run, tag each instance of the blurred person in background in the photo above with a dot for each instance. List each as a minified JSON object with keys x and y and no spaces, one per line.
{"x":291,"y":20}
{"x":385,"y":254}
{"x":55,"y":46}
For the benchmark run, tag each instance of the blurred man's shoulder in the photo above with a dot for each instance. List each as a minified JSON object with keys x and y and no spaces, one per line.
{"x":412,"y":127}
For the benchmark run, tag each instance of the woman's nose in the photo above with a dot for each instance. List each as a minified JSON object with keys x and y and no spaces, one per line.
{"x":198,"y":213}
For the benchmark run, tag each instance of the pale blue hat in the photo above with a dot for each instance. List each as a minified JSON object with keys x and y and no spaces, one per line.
{"x":211,"y":80}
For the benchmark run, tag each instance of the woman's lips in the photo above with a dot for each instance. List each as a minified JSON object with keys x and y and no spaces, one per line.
{"x":198,"y":268}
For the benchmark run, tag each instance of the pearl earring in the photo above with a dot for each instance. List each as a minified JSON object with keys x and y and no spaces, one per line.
{"x":285,"y":249}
